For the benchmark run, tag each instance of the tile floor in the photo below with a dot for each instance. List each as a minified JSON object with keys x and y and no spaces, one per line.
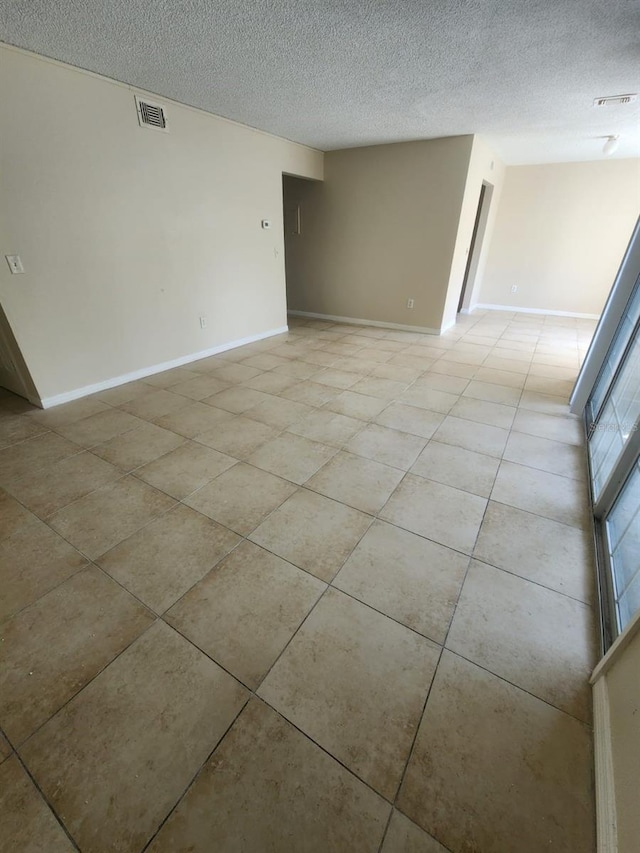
{"x":332,"y":591}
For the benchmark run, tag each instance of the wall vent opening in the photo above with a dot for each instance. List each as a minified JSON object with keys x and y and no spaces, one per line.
{"x":614,"y":100}
{"x":151,"y":115}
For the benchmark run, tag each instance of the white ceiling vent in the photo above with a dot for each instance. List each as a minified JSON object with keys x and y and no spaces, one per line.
{"x":614,"y":100}
{"x":151,"y":115}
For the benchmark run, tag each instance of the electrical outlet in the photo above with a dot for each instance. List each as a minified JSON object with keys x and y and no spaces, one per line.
{"x":15,"y":264}
{"x":409,"y":304}
{"x":266,"y":224}
{"x":514,"y":288}
{"x":203,"y":322}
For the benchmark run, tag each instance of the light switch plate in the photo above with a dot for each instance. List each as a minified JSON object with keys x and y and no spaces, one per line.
{"x":15,"y":264}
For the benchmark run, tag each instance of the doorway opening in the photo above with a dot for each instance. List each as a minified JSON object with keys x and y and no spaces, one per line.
{"x":475,"y":249}
{"x":298,"y":202}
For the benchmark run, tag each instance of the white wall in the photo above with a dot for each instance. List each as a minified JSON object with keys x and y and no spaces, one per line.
{"x":129,"y":235}
{"x":560,"y":234}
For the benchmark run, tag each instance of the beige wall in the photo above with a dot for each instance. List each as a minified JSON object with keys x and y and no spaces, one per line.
{"x":383,"y":228}
{"x":129,"y":235}
{"x":560,"y":234}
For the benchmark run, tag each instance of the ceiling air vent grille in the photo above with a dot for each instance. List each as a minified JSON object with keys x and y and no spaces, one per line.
{"x":151,"y":115}
{"x":614,"y":100}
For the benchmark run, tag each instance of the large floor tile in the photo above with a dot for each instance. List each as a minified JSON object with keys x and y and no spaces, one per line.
{"x":405,"y":576}
{"x":404,"y":836}
{"x":164,"y":559}
{"x":356,"y":481}
{"x":268,"y":788}
{"x":138,"y":446}
{"x":441,"y":513}
{"x":33,"y":561}
{"x":22,"y":459}
{"x":278,"y":412}
{"x":389,"y":446}
{"x":312,"y":532}
{"x":237,"y":399}
{"x":539,"y":549}
{"x":117,"y":758}
{"x":245,"y":611}
{"x":193,"y":419}
{"x":556,"y":457}
{"x":550,"y":495}
{"x":374,"y":386}
{"x":355,"y":682}
{"x":526,"y":784}
{"x":480,"y":438}
{"x":292,"y":456}
{"x":100,"y":520}
{"x":96,"y":429}
{"x":237,"y":436}
{"x":556,"y":427}
{"x":442,"y":382}
{"x":13,"y":515}
{"x":532,"y":636}
{"x":455,"y":466}
{"x":53,"y":487}
{"x":185,"y":469}
{"x":355,"y":405}
{"x":428,"y":398}
{"x":327,"y":427}
{"x":479,"y":390}
{"x":66,"y":413}
{"x":270,"y":383}
{"x":200,"y":387}
{"x":484,"y":412}
{"x":242,"y":497}
{"x":410,"y":419}
{"x":156,"y":404}
{"x":27,"y":824}
{"x":51,"y":649}
{"x":310,"y":393}
{"x":15,"y":428}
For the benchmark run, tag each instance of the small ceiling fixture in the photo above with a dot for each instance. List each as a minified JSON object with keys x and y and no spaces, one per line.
{"x":614,"y":100}
{"x":610,"y":145}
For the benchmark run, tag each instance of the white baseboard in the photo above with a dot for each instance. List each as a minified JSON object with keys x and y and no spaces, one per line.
{"x":486,"y":306}
{"x":606,"y":820}
{"x":77,"y":393}
{"x":424,"y":330}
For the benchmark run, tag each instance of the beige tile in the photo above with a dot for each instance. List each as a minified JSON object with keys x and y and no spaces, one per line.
{"x":547,"y":385}
{"x":545,"y":403}
{"x":484,"y":412}
{"x":51,"y":649}
{"x":270,"y":383}
{"x":480,"y":438}
{"x":124,"y":393}
{"x":268,"y":787}
{"x":15,"y":428}
{"x":397,"y":373}
{"x":457,"y":467}
{"x":297,"y":369}
{"x":278,"y":412}
{"x":33,"y":561}
{"x":238,"y":436}
{"x":509,"y":365}
{"x":536,"y":548}
{"x":389,"y":446}
{"x":151,"y":406}
{"x":386,"y":389}
{"x":292,"y":456}
{"x":99,"y":428}
{"x":202,"y":386}
{"x":242,"y":497}
{"x":492,"y":393}
{"x":264,"y":361}
{"x":356,"y":405}
{"x":526,"y":783}
{"x":404,"y":836}
{"x":355,"y":682}
{"x":356,"y":481}
{"x":163,"y":560}
{"x":168,"y":378}
{"x":245,"y":611}
{"x":429,"y":398}
{"x":26,"y":822}
{"x":68,"y":412}
{"x":550,"y":495}
{"x":410,"y":419}
{"x":441,"y":513}
{"x":13,"y":515}
{"x":451,"y":368}
{"x":5,"y":748}
{"x":442,"y":382}
{"x":237,"y":399}
{"x":185,"y":469}
{"x":553,"y":456}
{"x":116,"y":759}
{"x":236,"y":373}
{"x":193,"y":419}
{"x":410,"y":579}
{"x":100,"y":520}
{"x":138,"y":446}
{"x":310,"y":393}
{"x":312,"y":532}
{"x":33,"y":454}
{"x":501,"y":377}
{"x":57,"y":485}
{"x":565,"y":429}
{"x":536,"y":638}
{"x":327,"y":427}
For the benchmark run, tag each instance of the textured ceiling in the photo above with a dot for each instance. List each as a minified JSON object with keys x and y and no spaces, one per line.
{"x":340,"y":73}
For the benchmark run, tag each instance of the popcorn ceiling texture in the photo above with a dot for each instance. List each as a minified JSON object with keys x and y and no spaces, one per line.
{"x":340,"y":73}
